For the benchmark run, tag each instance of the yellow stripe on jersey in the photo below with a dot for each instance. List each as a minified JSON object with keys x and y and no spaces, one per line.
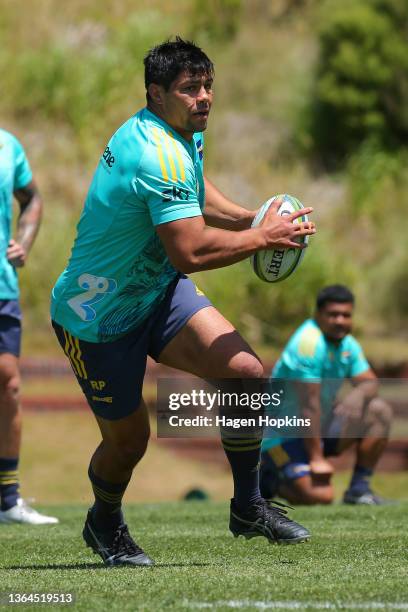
{"x":308,"y":341}
{"x":179,"y":158}
{"x":162,"y":163}
{"x":170,"y":156}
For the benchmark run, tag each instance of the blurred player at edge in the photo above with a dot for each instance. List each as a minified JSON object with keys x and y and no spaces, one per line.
{"x":15,"y":179}
{"x":149,"y":219}
{"x":323,"y":351}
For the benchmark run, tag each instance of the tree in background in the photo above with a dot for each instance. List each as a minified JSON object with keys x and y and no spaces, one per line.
{"x":218,"y":19}
{"x":361,"y":91}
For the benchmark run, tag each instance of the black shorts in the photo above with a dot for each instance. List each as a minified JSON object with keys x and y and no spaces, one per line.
{"x":111,"y":373}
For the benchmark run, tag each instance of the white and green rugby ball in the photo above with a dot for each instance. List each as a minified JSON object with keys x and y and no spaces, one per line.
{"x":275,"y":265}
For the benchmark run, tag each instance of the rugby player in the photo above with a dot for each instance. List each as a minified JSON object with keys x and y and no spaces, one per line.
{"x":15,"y":179}
{"x":319,"y":356}
{"x":149,"y":219}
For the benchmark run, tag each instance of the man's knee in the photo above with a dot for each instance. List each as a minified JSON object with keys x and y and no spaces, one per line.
{"x":10,"y":383}
{"x":128,"y":450}
{"x":248,"y":366}
{"x":13,"y":387}
{"x":380,"y":411}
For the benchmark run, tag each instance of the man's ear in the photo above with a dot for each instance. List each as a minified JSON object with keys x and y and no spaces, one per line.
{"x":156,"y":93}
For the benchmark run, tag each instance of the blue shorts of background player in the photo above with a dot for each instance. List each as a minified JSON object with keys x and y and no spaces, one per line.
{"x":10,"y":327}
{"x":111,"y":373}
{"x":286,"y":462}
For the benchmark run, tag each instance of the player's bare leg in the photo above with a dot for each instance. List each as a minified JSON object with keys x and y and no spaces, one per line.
{"x":10,"y":410}
{"x":10,"y":432}
{"x":123,"y":445}
{"x":208,"y":346}
{"x":370,"y":446}
{"x":13,"y":508}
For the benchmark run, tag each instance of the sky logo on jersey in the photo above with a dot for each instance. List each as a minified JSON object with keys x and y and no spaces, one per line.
{"x":175,"y":193}
{"x":200,"y":148}
{"x":95,"y":289}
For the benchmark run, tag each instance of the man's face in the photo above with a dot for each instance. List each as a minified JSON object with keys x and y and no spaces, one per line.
{"x":187,"y":103}
{"x":335,"y":320}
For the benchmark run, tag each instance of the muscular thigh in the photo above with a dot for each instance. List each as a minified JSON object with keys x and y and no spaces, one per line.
{"x":209,"y":346}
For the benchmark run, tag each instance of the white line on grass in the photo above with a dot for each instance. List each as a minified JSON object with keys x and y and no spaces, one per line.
{"x":296,"y":605}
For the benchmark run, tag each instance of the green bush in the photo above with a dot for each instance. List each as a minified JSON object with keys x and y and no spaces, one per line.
{"x":216,"y":19}
{"x":361,"y":90}
{"x":81,"y":83}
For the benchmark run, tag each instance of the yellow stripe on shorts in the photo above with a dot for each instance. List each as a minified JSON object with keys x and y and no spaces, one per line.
{"x":80,"y":360}
{"x":73,"y":352}
{"x":279,"y":455}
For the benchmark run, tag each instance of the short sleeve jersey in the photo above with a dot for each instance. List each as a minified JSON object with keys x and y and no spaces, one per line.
{"x":310,"y":356}
{"x":15,"y":173}
{"x":119,"y":271}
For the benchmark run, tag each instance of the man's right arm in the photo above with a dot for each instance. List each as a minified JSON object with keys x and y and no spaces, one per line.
{"x":193,"y":246}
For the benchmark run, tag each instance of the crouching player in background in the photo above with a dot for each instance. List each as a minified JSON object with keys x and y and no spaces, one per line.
{"x":319,"y":356}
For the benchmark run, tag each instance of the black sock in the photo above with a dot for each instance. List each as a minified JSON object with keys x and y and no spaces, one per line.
{"x":107,"y":509}
{"x":9,"y":485}
{"x":244,"y":458}
{"x":360,"y":481}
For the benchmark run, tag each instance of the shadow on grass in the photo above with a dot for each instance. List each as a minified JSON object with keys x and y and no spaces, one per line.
{"x":100,"y":566}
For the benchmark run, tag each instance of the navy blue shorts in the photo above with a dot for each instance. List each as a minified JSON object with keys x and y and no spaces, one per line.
{"x":10,"y":327}
{"x":290,"y":459}
{"x":111,"y":373}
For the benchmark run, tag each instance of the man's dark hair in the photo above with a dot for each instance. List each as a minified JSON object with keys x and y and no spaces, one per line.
{"x":164,"y":62}
{"x":334,"y":293}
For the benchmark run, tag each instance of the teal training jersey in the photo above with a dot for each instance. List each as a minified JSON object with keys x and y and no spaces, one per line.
{"x":118,"y":271}
{"x":310,"y":356}
{"x":15,"y":173}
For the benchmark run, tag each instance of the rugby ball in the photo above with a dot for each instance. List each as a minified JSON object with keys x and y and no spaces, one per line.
{"x":275,"y":265}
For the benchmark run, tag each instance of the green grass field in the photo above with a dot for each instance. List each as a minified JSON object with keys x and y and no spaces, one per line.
{"x":357,"y":559}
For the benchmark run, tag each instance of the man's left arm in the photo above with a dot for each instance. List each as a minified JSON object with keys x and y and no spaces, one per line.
{"x":222,"y":213}
{"x":28,"y":224}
